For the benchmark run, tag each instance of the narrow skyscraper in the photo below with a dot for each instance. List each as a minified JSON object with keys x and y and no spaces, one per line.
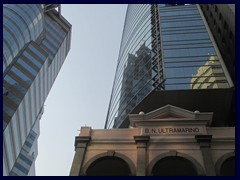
{"x":36,"y":41}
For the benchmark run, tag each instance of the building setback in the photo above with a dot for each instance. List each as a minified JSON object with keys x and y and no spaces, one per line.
{"x":171,"y":111}
{"x":36,"y":41}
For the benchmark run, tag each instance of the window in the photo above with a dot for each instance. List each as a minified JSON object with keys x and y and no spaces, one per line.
{"x":21,"y":75}
{"x":21,"y":168}
{"x":8,"y":110}
{"x":28,"y":144}
{"x":216,"y":9}
{"x":219,"y":31}
{"x":211,"y":15}
{"x":13,"y":98}
{"x":228,"y":50}
{"x":214,"y":22}
{"x":25,"y":159}
{"x":225,"y":26}
{"x":220,"y":16}
{"x":230,"y":36}
{"x":223,"y":41}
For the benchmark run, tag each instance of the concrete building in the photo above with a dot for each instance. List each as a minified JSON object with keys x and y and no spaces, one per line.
{"x":36,"y":41}
{"x":221,"y":21}
{"x":169,"y":141}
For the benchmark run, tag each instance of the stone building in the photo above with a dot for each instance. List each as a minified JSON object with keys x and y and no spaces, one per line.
{"x":169,"y":141}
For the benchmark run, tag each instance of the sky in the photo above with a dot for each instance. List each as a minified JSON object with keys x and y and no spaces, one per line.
{"x":81,"y":93}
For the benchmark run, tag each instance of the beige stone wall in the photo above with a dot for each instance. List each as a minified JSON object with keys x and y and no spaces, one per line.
{"x":205,"y":151}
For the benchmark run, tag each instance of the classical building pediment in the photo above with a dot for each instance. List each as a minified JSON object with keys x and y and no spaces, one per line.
{"x":170,"y":115}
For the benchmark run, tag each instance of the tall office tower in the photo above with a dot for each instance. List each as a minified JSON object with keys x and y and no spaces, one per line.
{"x":168,"y":55}
{"x":36,"y":41}
{"x":221,"y":21}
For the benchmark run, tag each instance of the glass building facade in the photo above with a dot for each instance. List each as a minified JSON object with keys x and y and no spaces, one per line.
{"x":36,"y":41}
{"x":165,"y":47}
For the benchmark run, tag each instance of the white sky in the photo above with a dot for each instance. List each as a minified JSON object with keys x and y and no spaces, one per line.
{"x":81,"y":92}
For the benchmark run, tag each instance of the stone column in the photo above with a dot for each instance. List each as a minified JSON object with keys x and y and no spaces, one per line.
{"x":81,"y":143}
{"x":141,"y":154}
{"x":205,"y":146}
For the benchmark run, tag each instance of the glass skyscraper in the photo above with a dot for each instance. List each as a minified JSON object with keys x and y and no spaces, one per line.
{"x":168,"y":56}
{"x":36,"y":41}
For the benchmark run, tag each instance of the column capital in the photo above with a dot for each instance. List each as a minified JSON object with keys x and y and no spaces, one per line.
{"x":141,"y":141}
{"x":82,"y":140}
{"x":141,"y":138}
{"x":81,"y":143}
{"x":204,"y":140}
{"x":205,"y":146}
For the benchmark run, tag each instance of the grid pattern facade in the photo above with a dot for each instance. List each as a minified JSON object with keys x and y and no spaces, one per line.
{"x":221,"y":20}
{"x":133,"y":72}
{"x":31,"y":67}
{"x":164,"y":47}
{"x":187,"y":48}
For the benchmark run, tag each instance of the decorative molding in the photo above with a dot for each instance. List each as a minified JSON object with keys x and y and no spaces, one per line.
{"x":170,"y":115}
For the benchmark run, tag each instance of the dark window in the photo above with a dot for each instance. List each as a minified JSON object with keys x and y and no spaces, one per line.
{"x":214,"y":22}
{"x":231,"y":35}
{"x":223,"y":41}
{"x":13,"y":98}
{"x":228,"y":50}
{"x":211,"y":14}
{"x":28,"y":144}
{"x":21,"y":168}
{"x":25,"y":159}
{"x":225,"y":25}
{"x":216,"y":9}
{"x":220,"y":16}
{"x":219,"y":31}
{"x":32,"y":137}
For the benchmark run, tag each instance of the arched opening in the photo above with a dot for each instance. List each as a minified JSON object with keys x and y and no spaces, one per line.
{"x":174,"y":166}
{"x":228,"y":167}
{"x":108,"y":166}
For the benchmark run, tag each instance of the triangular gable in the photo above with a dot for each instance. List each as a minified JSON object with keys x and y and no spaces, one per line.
{"x":169,"y":114}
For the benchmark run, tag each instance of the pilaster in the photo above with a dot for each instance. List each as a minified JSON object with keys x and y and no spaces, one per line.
{"x":141,"y":142}
{"x":205,"y":146}
{"x":81,"y":143}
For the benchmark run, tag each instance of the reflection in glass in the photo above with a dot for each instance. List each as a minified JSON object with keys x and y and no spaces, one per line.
{"x":164,"y":47}
{"x":209,"y":76}
{"x":135,"y":82}
{"x":189,"y":56}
